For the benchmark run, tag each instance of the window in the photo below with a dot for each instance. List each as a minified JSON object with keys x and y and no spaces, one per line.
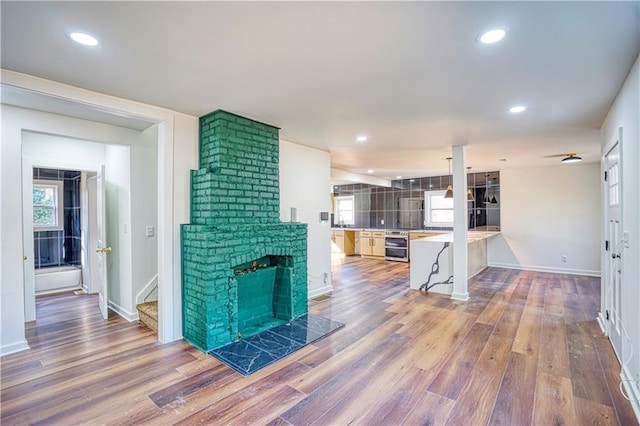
{"x":438,"y":210}
{"x":344,"y":212}
{"x":47,"y":209}
{"x":614,"y":185}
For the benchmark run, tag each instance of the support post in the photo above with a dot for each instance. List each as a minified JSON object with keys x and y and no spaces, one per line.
{"x":460,"y":214}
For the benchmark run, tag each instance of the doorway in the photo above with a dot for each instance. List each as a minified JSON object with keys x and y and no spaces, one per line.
{"x":52,"y":108}
{"x":116,"y":243}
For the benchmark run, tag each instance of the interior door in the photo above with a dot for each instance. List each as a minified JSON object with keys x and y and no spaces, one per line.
{"x":613,"y":272}
{"x":103,"y":249}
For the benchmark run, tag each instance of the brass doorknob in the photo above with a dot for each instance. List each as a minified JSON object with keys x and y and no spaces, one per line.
{"x":103,"y":250}
{"x":24,"y":257}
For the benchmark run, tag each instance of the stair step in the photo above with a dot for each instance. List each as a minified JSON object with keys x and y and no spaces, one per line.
{"x":148,"y":314}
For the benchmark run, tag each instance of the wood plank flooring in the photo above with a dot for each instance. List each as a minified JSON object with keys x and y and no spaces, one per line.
{"x":525,"y":350}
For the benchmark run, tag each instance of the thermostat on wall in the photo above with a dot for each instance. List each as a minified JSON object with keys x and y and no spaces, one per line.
{"x":324,"y":216}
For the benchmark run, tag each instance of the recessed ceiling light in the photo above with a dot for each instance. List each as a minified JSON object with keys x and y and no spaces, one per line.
{"x":83,"y":38}
{"x":516,"y":109}
{"x":361,"y":138}
{"x":369,"y":171}
{"x":492,"y":36}
{"x":398,"y":177}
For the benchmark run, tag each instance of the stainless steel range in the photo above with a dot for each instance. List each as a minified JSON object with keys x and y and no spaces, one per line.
{"x":396,"y":246}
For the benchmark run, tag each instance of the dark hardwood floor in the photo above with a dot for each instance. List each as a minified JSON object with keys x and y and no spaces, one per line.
{"x":525,"y":350}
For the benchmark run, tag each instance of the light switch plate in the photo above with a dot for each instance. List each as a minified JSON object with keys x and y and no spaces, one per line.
{"x":150,"y":231}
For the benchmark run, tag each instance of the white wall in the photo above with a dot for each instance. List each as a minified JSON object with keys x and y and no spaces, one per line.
{"x":625,"y":113}
{"x":546,"y":213}
{"x":305,"y":178}
{"x":144,"y":198}
{"x":119,"y":229}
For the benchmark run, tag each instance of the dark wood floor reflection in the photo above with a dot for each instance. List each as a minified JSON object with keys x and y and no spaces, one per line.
{"x":526,"y":349}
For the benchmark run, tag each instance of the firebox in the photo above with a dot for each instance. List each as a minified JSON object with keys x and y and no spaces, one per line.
{"x":243,"y":271}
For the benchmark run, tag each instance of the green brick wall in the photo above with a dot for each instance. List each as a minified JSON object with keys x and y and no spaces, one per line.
{"x":235,"y":204}
{"x":238,"y":179}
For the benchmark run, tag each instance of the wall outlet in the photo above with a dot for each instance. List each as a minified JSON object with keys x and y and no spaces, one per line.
{"x":563,"y":257}
{"x":150,"y":231}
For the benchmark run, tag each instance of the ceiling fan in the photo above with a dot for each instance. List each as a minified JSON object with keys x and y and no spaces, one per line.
{"x":570,"y":157}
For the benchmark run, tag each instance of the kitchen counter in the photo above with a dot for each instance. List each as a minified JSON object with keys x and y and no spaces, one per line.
{"x":472,"y":236}
{"x":431,"y":267}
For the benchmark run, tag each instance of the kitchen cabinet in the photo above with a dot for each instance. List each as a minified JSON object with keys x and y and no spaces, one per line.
{"x":372,"y":243}
{"x":344,"y":240}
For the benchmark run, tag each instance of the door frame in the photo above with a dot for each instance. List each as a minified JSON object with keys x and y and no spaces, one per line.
{"x":605,"y":290}
{"x":27,"y":227}
{"x":169,"y":288}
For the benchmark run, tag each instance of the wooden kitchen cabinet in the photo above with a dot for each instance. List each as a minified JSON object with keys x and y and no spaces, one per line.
{"x":372,"y":243}
{"x":344,"y":240}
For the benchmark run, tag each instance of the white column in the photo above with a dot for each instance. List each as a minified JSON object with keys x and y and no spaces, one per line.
{"x":460,"y":214}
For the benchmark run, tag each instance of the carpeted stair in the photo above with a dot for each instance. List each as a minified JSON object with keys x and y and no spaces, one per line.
{"x":148,"y":314}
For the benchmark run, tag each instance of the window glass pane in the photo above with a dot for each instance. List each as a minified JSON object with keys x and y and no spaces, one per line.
{"x":439,"y":202}
{"x":346,"y":216}
{"x":441,"y":216}
{"x":346,"y":205}
{"x":44,"y":196}
{"x":44,"y":216}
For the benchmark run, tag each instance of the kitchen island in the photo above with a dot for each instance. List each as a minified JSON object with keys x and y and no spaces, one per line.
{"x":431,"y":266}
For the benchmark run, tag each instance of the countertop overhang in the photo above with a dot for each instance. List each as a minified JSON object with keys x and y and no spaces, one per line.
{"x":472,"y":236}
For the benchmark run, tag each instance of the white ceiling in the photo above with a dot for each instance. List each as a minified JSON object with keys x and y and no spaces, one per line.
{"x":409,"y":75}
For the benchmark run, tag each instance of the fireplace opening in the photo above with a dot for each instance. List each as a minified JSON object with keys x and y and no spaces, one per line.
{"x":264,"y":293}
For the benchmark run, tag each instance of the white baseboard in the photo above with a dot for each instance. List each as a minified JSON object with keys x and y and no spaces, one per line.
{"x":129,"y":316}
{"x":550,"y":269}
{"x":319,"y":291}
{"x":14,"y":347}
{"x":602,"y":323}
{"x":460,"y":296}
{"x":632,"y":391}
{"x":147,"y":290}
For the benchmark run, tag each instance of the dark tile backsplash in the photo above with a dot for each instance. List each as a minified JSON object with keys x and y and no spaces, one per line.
{"x":56,"y":248}
{"x":401,"y":206}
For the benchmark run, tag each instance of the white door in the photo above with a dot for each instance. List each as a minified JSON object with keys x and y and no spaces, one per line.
{"x":613,"y":258}
{"x":103,"y":249}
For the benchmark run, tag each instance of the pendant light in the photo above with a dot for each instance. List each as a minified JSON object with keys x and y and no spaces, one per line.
{"x":449,"y":193}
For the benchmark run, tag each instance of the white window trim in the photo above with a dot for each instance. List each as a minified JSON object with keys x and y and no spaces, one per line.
{"x":427,"y":209}
{"x":59,"y":208}
{"x":336,"y":211}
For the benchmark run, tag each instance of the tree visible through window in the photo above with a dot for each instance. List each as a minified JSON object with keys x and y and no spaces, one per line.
{"x":46,"y":212}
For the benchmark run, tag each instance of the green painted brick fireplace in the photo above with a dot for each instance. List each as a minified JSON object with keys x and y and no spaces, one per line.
{"x":235,"y":231}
